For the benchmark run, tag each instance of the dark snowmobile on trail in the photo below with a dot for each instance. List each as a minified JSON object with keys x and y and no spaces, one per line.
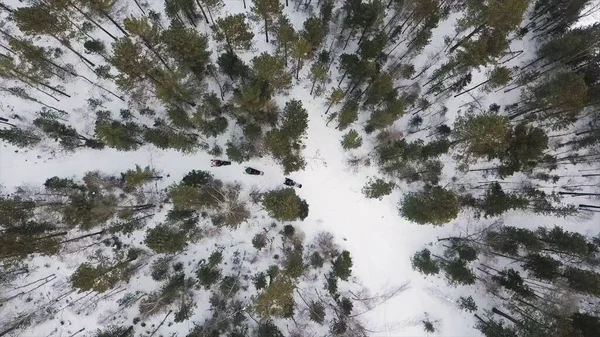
{"x":217,"y":163}
{"x":291,"y":183}
{"x":254,"y":172}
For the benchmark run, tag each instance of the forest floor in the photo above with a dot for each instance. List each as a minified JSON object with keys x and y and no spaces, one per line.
{"x":380,"y":240}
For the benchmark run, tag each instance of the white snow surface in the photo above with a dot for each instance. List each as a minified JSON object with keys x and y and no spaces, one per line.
{"x":380,"y":241}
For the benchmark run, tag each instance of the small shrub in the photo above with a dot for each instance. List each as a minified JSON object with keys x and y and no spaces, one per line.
{"x":260,"y":281}
{"x":259,"y":241}
{"x":351,"y":140}
{"x":288,"y":231}
{"x":317,"y":312}
{"x":316,"y":260}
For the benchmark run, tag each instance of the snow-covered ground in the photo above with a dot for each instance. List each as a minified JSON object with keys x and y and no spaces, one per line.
{"x":380,"y":241}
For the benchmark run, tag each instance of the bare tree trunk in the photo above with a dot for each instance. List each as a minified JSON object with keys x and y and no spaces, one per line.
{"x":114,"y":23}
{"x":466,"y":38}
{"x":161,"y":323}
{"x":267,"y":29}
{"x":92,"y":20}
{"x":203,"y":12}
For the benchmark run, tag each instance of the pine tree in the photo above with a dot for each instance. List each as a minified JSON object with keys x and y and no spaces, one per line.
{"x":20,"y":137}
{"x":285,"y":205}
{"x":121,"y":136}
{"x":164,"y":239}
{"x":500,"y":18}
{"x":436,"y":206}
{"x":484,"y":135}
{"x":301,"y":52}
{"x":351,"y":140}
{"x":68,"y":137}
{"x":266,"y":11}
{"x":271,"y":69}
{"x":135,"y":179}
{"x":235,"y":31}
{"x":188,"y":48}
{"x":377,"y":188}
{"x":231,"y":65}
{"x":285,"y":36}
{"x":313,"y":32}
{"x":348,"y":114}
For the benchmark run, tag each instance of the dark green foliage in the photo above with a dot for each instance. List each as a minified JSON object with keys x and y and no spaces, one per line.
{"x":423,"y":263}
{"x":495,"y":201}
{"x":259,"y":241}
{"x":94,"y":46}
{"x":208,"y":275}
{"x":288,"y":231}
{"x":435,"y":206}
{"x":348,"y":114}
{"x":378,"y":188}
{"x":317,"y":312}
{"x":19,"y":137}
{"x":232,"y":66}
{"x":351,"y":140}
{"x":160,"y":268}
{"x":467,"y":304}
{"x":230,"y":285}
{"x":525,"y":150}
{"x":260,"y":281}
{"x":285,"y":142}
{"x":342,"y":266}
{"x":457,"y":272}
{"x":316,"y":260}
{"x":285,"y":205}
{"x":314,"y":32}
{"x":331,"y":284}
{"x":268,"y":329}
{"x":346,"y":306}
{"x":188,"y":48}
{"x":115,"y":332}
{"x":294,"y":263}
{"x":165,"y":239}
{"x":121,"y":136}
{"x":197,"y":179}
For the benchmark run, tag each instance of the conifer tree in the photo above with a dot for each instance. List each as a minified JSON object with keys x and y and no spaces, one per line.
{"x":271,"y":69}
{"x":266,"y":11}
{"x":235,"y":32}
{"x":285,"y":36}
{"x":484,"y":135}
{"x":285,"y":205}
{"x":435,"y":206}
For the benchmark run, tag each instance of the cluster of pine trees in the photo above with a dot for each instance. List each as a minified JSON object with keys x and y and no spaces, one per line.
{"x":188,"y":77}
{"x":307,"y":283}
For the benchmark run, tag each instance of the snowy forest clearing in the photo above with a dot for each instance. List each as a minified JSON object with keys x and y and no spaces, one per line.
{"x":456,"y":131}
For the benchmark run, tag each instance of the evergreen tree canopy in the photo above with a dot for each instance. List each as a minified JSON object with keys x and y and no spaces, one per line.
{"x":435,"y":206}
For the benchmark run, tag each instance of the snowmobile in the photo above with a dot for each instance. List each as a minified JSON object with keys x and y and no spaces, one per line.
{"x":217,"y":163}
{"x":254,"y":172}
{"x":291,"y":183}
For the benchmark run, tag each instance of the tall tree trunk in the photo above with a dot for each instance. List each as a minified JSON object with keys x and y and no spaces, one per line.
{"x":465,"y":39}
{"x":203,"y":12}
{"x":66,"y":45}
{"x":114,"y":23}
{"x":577,"y":193}
{"x":137,"y":3}
{"x":473,"y":88}
{"x":498,"y":312}
{"x":58,"y":91}
{"x":92,"y":21}
{"x":267,"y":29}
